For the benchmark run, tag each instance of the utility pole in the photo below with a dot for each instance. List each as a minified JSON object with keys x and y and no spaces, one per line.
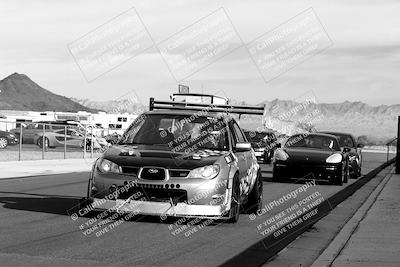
{"x":398,"y":147}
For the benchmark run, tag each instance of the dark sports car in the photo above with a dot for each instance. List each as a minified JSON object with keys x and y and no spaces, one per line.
{"x":263,"y":143}
{"x":311,"y":156}
{"x":348,"y":141}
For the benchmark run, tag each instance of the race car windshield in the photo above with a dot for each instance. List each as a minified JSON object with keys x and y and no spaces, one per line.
{"x":313,"y":141}
{"x":178,"y":132}
{"x":345,"y":141}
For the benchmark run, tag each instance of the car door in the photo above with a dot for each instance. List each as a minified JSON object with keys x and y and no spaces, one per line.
{"x":58,"y":138}
{"x":74,"y":138}
{"x":243,"y":158}
{"x":29,"y":132}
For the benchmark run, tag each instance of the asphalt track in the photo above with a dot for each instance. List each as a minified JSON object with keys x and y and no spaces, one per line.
{"x":36,"y":230}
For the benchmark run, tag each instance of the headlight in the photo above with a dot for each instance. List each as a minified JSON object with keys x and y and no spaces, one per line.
{"x":108,"y":166}
{"x":280,"y":155}
{"x":206,"y":172}
{"x":335,"y":158}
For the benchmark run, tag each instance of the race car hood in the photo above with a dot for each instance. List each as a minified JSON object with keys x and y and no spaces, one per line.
{"x":307,"y":155}
{"x":160,"y":156}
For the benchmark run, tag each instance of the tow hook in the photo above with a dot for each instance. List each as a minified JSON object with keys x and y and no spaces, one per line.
{"x":173,"y":202}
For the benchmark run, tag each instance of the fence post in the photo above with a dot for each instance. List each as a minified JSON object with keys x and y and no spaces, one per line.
{"x":65,"y":141}
{"x":398,"y":147}
{"x":91,"y":142}
{"x":43,"y":141}
{"x":387,"y":152}
{"x":20,"y":142}
{"x":84,"y":144}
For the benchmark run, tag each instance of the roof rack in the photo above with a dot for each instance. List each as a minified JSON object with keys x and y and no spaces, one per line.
{"x":173,"y":105}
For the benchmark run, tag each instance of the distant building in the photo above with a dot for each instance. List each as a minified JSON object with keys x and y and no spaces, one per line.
{"x":10,"y":119}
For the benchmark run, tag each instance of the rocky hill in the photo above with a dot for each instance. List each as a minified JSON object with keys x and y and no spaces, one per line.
{"x":19,"y":92}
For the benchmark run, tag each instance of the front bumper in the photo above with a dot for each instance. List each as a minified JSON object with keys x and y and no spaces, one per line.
{"x":12,"y":141}
{"x":325,"y":172}
{"x":162,"y":208}
{"x":174,"y":197}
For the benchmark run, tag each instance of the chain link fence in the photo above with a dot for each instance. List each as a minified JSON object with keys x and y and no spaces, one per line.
{"x":51,"y":140}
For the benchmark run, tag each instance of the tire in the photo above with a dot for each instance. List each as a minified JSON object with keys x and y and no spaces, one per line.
{"x":356,"y":171}
{"x":275,"y":176}
{"x":278,"y":176}
{"x":46,"y":142}
{"x":267,"y":159}
{"x":347,"y":174}
{"x":3,"y":142}
{"x":340,"y":180}
{"x":235,"y":201}
{"x":254,"y":202}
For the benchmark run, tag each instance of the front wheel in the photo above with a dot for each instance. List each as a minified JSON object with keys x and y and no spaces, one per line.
{"x":267,"y":159}
{"x":3,"y":142}
{"x":279,"y":175}
{"x":346,"y":174}
{"x":254,"y":202}
{"x":235,"y":201}
{"x":46,"y":142}
{"x":341,"y":179}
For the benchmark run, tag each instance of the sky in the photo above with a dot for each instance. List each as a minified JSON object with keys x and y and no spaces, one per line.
{"x":360,"y":65}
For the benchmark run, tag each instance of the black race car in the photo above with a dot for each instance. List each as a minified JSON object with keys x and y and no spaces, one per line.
{"x":263,"y":143}
{"x":7,"y":138}
{"x":312,"y":156}
{"x":348,"y":141}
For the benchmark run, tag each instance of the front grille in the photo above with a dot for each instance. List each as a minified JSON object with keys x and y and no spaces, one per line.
{"x":158,"y":194}
{"x":312,"y":172}
{"x":150,"y":173}
{"x":130,"y":170}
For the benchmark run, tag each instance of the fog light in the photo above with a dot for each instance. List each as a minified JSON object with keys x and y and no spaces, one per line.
{"x":113,"y":188}
{"x":218,"y":196}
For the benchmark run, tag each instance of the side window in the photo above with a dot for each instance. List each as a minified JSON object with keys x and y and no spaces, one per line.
{"x":57,"y":127}
{"x":240,"y":138}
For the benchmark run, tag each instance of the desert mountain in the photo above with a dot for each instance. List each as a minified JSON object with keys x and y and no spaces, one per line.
{"x":127,"y":104}
{"x":379,"y":123}
{"x":19,"y":92}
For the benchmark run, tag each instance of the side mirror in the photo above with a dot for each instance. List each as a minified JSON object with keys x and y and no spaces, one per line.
{"x":242,"y":147}
{"x":360,"y":145}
